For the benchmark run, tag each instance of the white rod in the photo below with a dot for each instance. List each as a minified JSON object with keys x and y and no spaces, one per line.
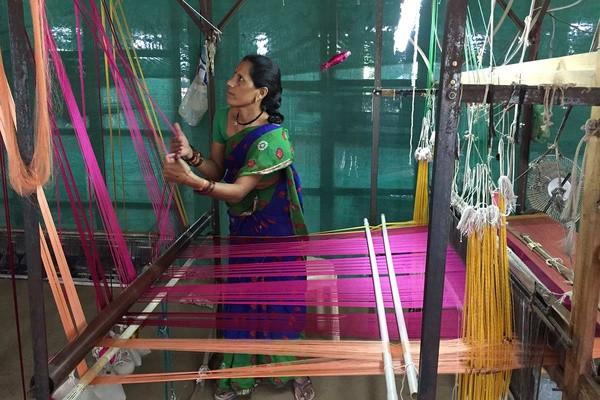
{"x":411,"y":369}
{"x":388,"y":368}
{"x":127,"y":334}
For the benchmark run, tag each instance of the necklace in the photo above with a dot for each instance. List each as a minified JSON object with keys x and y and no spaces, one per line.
{"x":237,"y":121}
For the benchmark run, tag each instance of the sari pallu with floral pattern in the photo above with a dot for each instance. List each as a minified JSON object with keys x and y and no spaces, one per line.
{"x":273,"y":211}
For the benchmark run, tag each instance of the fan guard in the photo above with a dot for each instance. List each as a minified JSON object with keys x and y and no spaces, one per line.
{"x":549,"y":185}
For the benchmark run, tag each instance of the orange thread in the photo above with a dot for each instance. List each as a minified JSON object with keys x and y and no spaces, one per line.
{"x":24,"y":179}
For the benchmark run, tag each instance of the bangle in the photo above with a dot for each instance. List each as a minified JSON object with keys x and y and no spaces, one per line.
{"x":195,"y":160}
{"x":206,"y":187}
{"x":210,"y":187}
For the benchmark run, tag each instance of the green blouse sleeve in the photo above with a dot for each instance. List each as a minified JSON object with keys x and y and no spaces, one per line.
{"x":219,"y":132}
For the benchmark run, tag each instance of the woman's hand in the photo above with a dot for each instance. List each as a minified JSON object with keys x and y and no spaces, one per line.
{"x":179,"y":144}
{"x":176,"y":171}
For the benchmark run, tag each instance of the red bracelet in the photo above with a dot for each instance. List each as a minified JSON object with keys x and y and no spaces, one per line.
{"x":195,"y":160}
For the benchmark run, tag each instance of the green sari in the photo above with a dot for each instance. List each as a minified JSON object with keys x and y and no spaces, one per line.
{"x":269,"y":212}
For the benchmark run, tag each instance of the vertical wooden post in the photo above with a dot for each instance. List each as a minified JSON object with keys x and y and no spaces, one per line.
{"x":19,"y":51}
{"x":527,"y":117}
{"x":376,"y":113}
{"x":206,"y":10}
{"x":586,"y":287}
{"x":441,"y":188}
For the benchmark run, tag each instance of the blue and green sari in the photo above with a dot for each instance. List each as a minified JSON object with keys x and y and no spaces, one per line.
{"x":273,"y":211}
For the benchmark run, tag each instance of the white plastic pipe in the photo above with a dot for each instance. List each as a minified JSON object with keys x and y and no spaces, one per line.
{"x":388,"y":368}
{"x":411,"y":369}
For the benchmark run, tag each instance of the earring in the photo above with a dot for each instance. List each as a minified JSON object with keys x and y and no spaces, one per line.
{"x":256,"y":99}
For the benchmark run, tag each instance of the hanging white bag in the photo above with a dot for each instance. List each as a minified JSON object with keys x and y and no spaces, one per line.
{"x":195,"y":101}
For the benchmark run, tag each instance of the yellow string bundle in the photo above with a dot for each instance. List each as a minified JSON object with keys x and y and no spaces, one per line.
{"x":487,"y":314}
{"x":421,"y":208}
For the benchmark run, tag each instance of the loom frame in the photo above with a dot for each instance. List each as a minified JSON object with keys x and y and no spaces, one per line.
{"x":67,"y":359}
{"x":447,"y":106}
{"x":441,"y":188}
{"x":588,"y":232}
{"x":451,"y":64}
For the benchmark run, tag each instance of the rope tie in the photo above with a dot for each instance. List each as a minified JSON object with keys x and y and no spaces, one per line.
{"x":423,"y":154}
{"x":465,"y":225}
{"x":551,"y":261}
{"x":591,"y":128}
{"x":506,"y":190}
{"x":525,"y":38}
{"x":569,"y":214}
{"x":564,"y":296}
{"x":493,"y":216}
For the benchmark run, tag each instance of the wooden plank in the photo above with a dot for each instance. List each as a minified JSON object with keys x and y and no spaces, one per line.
{"x":588,"y":388}
{"x":586,"y":287}
{"x":509,"y":94}
{"x":526,"y":115}
{"x":575,"y":70}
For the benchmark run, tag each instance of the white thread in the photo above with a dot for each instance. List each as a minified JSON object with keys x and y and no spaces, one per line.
{"x":505,"y":187}
{"x":413,"y":82}
{"x":564,"y":7}
{"x":569,"y":214}
{"x":564,"y":296}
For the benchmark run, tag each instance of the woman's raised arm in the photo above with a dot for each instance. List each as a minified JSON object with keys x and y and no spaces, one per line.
{"x":211,"y":167}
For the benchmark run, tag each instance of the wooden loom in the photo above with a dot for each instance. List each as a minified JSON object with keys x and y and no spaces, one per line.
{"x":580,"y":72}
{"x":253,"y":373}
{"x":595,"y":228}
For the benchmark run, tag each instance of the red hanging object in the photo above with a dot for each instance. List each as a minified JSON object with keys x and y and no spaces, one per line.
{"x":338,"y":58}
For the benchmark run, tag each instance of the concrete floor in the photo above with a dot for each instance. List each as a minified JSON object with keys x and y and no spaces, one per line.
{"x":327,"y":388}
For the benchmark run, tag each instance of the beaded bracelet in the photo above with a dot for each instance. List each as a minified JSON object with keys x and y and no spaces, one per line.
{"x":195,"y":160}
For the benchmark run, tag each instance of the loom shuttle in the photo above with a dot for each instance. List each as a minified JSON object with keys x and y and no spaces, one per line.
{"x":335,"y":60}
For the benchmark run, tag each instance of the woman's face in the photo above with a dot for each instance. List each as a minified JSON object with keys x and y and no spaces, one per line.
{"x":240,"y":87}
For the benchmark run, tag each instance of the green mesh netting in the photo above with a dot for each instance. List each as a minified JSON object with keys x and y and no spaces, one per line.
{"x":329,"y":115}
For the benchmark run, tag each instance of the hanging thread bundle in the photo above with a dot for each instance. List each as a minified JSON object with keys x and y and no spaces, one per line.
{"x":26,"y":178}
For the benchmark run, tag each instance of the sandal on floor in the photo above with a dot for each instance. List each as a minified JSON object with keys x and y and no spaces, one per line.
{"x":232,"y":394}
{"x":306,"y":389}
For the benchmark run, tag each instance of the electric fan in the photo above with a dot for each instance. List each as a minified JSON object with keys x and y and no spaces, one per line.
{"x":549,"y":185}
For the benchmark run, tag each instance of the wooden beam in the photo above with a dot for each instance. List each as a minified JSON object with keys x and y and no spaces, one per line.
{"x":514,"y":17}
{"x":204,"y":28}
{"x":509,"y":94}
{"x":527,"y":117}
{"x":537,"y":22}
{"x":21,"y":61}
{"x":448,"y":110}
{"x":231,"y":11}
{"x":206,"y":8}
{"x":588,"y":388}
{"x":533,"y":95}
{"x":586,"y":287}
{"x":576,"y":70}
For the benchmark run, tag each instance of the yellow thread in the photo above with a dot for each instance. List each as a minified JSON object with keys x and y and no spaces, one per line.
{"x":149,"y":110}
{"x":421,"y":207}
{"x":487,"y":316}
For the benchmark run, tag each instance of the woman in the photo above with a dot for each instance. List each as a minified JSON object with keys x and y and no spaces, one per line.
{"x":253,"y":155}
